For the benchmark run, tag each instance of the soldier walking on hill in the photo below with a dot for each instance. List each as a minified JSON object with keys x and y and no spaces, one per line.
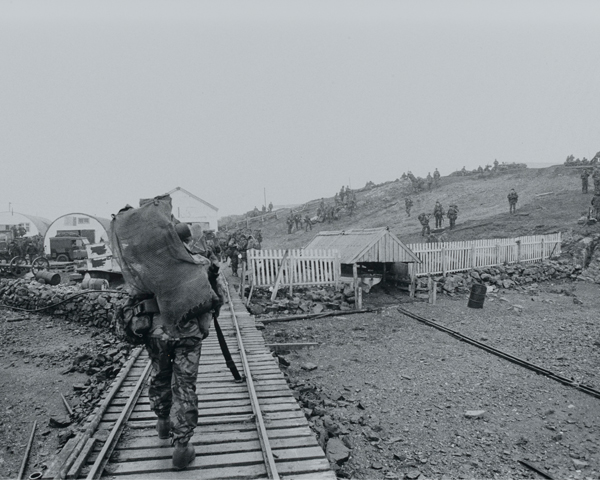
{"x":408,"y":203}
{"x":584,"y":181}
{"x":512,"y":200}
{"x":436,"y":178}
{"x":452,"y":215}
{"x":307,"y":223}
{"x":438,"y":213}
{"x":429,"y":180}
{"x":596,"y":178}
{"x":424,"y":219}
{"x":290,"y":222}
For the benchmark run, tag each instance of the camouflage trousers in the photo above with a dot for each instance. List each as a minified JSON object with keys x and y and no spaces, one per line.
{"x":172,"y":389}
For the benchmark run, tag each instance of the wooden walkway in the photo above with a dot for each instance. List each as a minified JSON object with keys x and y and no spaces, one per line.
{"x":226,"y":439}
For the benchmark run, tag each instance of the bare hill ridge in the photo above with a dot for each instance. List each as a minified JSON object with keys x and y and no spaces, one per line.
{"x":482,"y":202}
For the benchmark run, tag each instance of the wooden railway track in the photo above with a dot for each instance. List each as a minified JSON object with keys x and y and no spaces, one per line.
{"x":228,"y":436}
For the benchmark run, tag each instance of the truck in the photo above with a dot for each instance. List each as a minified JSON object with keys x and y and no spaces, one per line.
{"x":66,"y":247}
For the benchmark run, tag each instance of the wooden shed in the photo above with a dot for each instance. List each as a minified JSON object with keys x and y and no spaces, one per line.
{"x":369,"y":254}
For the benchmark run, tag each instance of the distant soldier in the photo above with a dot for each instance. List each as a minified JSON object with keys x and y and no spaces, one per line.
{"x":480,"y":170}
{"x":403,"y":177}
{"x":270,"y":207}
{"x":436,"y":178}
{"x":452,"y":215}
{"x":424,"y":219}
{"x":596,"y":178}
{"x":438,"y":213}
{"x":512,"y":200}
{"x":342,"y":194}
{"x":584,"y":181}
{"x":290,"y":222}
{"x":258,"y":236}
{"x":298,"y":220}
{"x":322,"y":205}
{"x":255,"y":212}
{"x":336,"y":199}
{"x":463,"y":171}
{"x":408,"y":203}
{"x":307,"y":223}
{"x":429,"y":180}
{"x":596,"y":207}
{"x":351,"y":204}
{"x":264,"y":209}
{"x":496,"y":163}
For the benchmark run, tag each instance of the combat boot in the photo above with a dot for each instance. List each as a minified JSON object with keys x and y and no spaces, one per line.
{"x":183,"y":455}
{"x":163,"y":427}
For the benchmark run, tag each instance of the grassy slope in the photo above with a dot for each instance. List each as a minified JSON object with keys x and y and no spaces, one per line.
{"x":482,"y":202}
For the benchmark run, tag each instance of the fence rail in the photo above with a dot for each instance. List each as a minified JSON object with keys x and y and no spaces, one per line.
{"x":442,"y":258}
{"x":300,"y":268}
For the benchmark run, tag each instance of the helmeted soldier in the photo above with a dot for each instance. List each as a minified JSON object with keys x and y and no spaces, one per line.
{"x":307,"y":223}
{"x":270,"y":207}
{"x":452,"y":215}
{"x":512,"y":200}
{"x":596,"y":178}
{"x":408,"y":203}
{"x":436,"y":177}
{"x":438,"y":213}
{"x":429,"y":180}
{"x":424,"y":220}
{"x":584,"y":180}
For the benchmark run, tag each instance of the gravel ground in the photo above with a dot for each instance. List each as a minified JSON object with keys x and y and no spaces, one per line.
{"x":397,"y":391}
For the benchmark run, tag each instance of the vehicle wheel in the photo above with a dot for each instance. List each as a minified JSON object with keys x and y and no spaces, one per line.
{"x":62,"y":258}
{"x":39,"y":264}
{"x":17,"y":266}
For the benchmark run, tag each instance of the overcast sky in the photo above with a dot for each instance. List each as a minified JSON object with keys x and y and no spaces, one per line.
{"x":103,"y":103}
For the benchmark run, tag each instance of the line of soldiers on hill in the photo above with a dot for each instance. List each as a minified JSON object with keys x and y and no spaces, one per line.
{"x":344,"y":200}
{"x":256,"y":212}
{"x":295,"y":219}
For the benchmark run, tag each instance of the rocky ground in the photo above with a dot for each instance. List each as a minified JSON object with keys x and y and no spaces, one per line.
{"x":390,"y":397}
{"x":42,"y":357}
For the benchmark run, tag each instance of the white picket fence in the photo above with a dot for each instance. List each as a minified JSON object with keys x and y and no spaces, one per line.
{"x":301,"y":267}
{"x":442,"y":258}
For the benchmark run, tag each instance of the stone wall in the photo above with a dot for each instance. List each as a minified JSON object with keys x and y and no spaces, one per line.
{"x":510,"y":276}
{"x":89,"y":307}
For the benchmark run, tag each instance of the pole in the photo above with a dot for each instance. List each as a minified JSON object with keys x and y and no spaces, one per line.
{"x":265,"y":196}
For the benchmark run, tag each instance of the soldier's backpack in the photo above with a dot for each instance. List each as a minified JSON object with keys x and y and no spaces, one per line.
{"x":132,"y":319}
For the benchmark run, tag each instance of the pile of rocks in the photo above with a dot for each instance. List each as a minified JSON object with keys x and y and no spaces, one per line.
{"x":304,"y":300}
{"x":501,"y":276}
{"x":90,"y":307}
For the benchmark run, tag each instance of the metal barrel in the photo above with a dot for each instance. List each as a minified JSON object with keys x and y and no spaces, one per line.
{"x":477,"y":296}
{"x":51,"y":278}
{"x":94,"y":284}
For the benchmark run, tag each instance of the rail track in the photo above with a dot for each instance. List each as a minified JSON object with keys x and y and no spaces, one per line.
{"x":249,"y":429}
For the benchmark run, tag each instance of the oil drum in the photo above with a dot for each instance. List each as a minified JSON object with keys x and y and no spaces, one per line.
{"x":477,"y":296}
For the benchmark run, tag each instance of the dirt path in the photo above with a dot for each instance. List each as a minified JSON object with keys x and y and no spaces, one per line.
{"x":398,"y":391}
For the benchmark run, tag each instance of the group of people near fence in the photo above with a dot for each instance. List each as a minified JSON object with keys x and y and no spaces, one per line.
{"x":233,"y":246}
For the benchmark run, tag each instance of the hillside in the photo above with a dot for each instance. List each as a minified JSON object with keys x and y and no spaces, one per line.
{"x":482,"y":203}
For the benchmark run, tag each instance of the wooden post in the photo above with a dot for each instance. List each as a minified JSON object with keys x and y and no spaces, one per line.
{"x":359,"y":297}
{"x":443,"y":260}
{"x":279,"y":274}
{"x":497,"y":254}
{"x":291,"y":273}
{"x":355,"y":275}
{"x":518,"y":242}
{"x":542,"y":242}
{"x":434,"y":293}
{"x":429,"y":287}
{"x":473,"y":254}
